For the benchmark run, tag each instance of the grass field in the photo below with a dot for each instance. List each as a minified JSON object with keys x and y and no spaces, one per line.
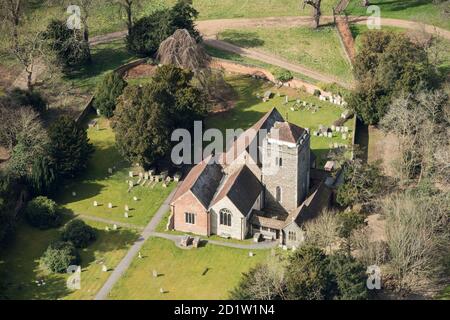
{"x":319,"y":50}
{"x":249,"y":109}
{"x":19,"y":264}
{"x":424,"y":11}
{"x":208,"y":272}
{"x":98,"y":185}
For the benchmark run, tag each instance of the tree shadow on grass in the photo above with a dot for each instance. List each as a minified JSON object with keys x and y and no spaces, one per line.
{"x":399,"y":5}
{"x":107,"y":241}
{"x":245,"y":39}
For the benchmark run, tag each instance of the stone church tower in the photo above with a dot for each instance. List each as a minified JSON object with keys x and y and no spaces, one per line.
{"x":285,"y":167}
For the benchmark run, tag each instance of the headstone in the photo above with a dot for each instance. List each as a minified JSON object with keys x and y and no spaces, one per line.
{"x":104,"y":268}
{"x":140,"y":255}
{"x":164,"y":185}
{"x":131,"y":183}
{"x":110,"y":205}
{"x":130,"y":174}
{"x":330,"y":135}
{"x":95,"y":203}
{"x":135,"y":198}
{"x":114,"y":226}
{"x":110,"y":170}
{"x":155,"y":274}
{"x":286,"y":99}
{"x":127,"y":208}
{"x":125,"y":214}
{"x":344,"y":136}
{"x":345,"y":129}
{"x":333,"y":127}
{"x":107,"y":228}
{"x":146,"y":175}
{"x":74,"y":194}
{"x":338,"y":129}
{"x":161,"y":290}
{"x":141,"y":175}
{"x":250,"y":254}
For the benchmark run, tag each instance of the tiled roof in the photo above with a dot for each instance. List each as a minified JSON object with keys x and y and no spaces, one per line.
{"x":242,"y":188}
{"x":285,"y":131}
{"x":202,"y":181}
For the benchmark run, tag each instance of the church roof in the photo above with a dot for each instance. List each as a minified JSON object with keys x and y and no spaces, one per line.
{"x":286,"y":132}
{"x":202,"y":181}
{"x":242,"y":188}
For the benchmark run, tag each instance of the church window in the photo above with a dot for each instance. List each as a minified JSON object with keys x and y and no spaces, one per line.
{"x":225,"y":217}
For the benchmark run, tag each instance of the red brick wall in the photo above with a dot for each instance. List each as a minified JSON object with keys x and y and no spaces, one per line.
{"x":189,"y":203}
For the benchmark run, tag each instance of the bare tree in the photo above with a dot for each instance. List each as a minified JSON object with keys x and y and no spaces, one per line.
{"x":182,"y":50}
{"x":128,"y":7}
{"x":419,"y":122}
{"x":27,"y":51}
{"x":23,"y":135}
{"x":417,"y":235}
{"x":367,"y":251}
{"x":323,"y":231}
{"x":365,"y":3}
{"x":315,"y":4}
{"x":11,"y":12}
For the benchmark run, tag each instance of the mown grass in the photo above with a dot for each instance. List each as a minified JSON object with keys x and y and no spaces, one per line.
{"x":424,"y":11}
{"x":249,"y":109}
{"x":20,"y":267}
{"x":319,"y":49}
{"x":205,"y":273}
{"x":96,"y":184}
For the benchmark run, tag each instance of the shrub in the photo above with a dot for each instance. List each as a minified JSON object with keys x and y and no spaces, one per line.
{"x":317,"y":92}
{"x":43,"y":213}
{"x":282,"y":75}
{"x":70,"y":147}
{"x":107,"y":92}
{"x":79,"y":233}
{"x":59,"y":256}
{"x":69,"y":50}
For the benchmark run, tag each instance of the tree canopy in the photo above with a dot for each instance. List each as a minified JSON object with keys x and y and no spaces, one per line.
{"x":107,"y":92}
{"x":147,"y":33}
{"x":387,"y":65}
{"x":146,"y":115}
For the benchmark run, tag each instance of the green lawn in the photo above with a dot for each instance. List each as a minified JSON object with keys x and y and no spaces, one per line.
{"x":249,"y":109}
{"x":98,"y":185}
{"x":19,"y":264}
{"x":208,"y":272}
{"x":319,"y":50}
{"x":105,"y":57}
{"x":424,"y":11}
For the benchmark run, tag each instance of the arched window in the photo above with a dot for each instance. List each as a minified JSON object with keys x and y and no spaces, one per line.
{"x":278,"y":194}
{"x":225,"y":217}
{"x":292,"y":236}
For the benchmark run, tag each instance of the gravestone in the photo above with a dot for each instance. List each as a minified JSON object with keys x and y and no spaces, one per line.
{"x":333,"y":127}
{"x":250,"y":254}
{"x":107,"y":228}
{"x":338,"y":129}
{"x":110,"y":170}
{"x":131,"y":184}
{"x":110,"y":205}
{"x":74,"y":194}
{"x":135,"y":198}
{"x":127,"y":208}
{"x":155,"y":274}
{"x":125,"y":214}
{"x":140,"y":255}
{"x":95,"y":203}
{"x":330,"y":135}
{"x":130,"y":174}
{"x":104,"y":268}
{"x":114,"y":226}
{"x":344,"y":136}
{"x":146,"y":175}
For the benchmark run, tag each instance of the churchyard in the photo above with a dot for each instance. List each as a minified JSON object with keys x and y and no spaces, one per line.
{"x":249,"y":108}
{"x":107,"y":181}
{"x":25,"y":279}
{"x":200,"y":273}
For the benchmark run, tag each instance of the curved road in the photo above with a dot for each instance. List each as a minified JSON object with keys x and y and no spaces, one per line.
{"x":211,"y":28}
